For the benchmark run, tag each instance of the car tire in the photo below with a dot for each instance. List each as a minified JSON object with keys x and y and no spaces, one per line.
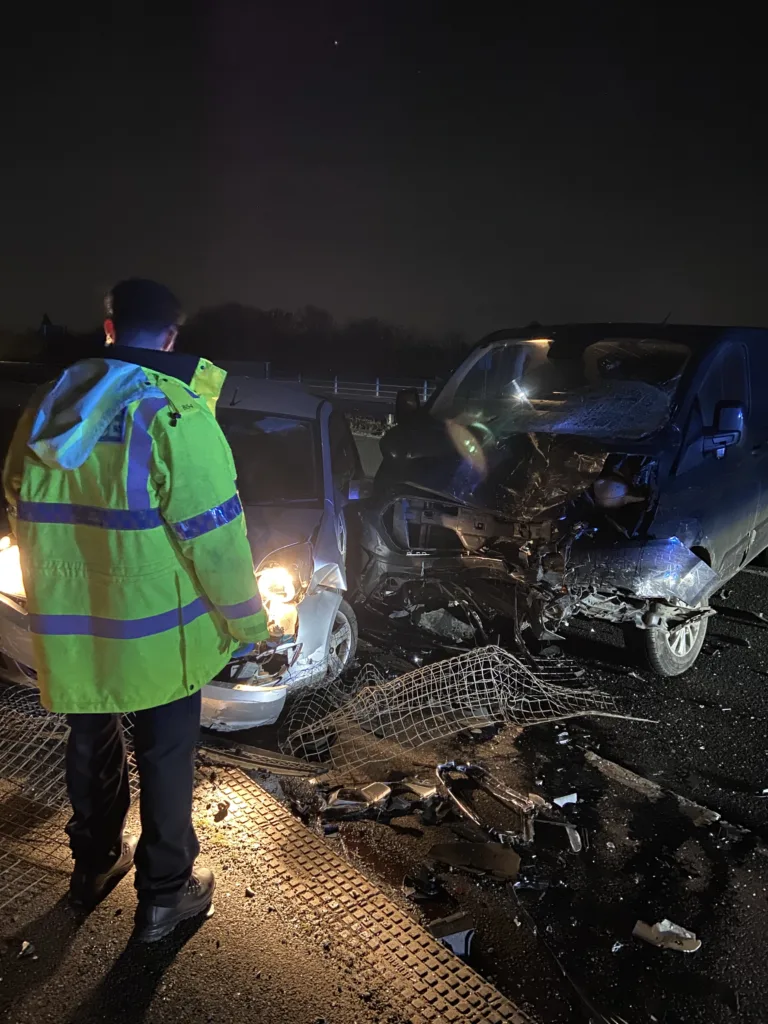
{"x":667,"y":655}
{"x":343,"y":641}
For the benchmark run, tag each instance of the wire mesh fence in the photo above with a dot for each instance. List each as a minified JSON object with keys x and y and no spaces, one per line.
{"x":33,"y":796}
{"x":350,"y":726}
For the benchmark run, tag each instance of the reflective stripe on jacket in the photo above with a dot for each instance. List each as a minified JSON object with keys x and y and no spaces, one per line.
{"x":138,"y":573}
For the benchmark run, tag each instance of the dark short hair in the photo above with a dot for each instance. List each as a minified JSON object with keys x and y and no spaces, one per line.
{"x":141,"y":305}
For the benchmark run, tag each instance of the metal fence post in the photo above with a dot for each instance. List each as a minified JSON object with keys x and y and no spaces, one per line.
{"x":335,"y":385}
{"x":377,"y":387}
{"x":425,"y":392}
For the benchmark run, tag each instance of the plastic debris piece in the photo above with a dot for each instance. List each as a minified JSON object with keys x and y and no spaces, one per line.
{"x":419,"y":790}
{"x":617,"y":946}
{"x":456,"y":932}
{"x":499,"y":862}
{"x":352,"y":800}
{"x":667,"y":935}
{"x":424,"y":885}
{"x":249,"y":892}
{"x":574,"y":838}
{"x":561,"y":801}
{"x":27,"y":950}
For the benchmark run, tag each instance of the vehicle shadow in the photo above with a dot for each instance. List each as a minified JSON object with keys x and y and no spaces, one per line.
{"x":50,"y":937}
{"x":125,"y":994}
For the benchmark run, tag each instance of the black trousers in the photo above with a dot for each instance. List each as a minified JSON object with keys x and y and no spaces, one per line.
{"x":164,"y":741}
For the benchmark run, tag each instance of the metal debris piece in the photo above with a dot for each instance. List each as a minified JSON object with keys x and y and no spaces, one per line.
{"x":456,"y":932}
{"x":667,"y":935}
{"x":570,"y":798}
{"x":523,"y":807}
{"x":478,"y":688}
{"x":219,"y":751}
{"x":498,"y":862}
{"x":698,"y":814}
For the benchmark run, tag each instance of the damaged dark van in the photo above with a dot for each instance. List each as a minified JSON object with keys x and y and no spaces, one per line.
{"x":608,"y":471}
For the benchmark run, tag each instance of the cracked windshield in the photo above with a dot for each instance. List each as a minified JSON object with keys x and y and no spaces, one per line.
{"x":615,"y":387}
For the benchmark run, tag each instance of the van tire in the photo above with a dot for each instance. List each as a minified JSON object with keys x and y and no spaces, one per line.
{"x":653,"y":649}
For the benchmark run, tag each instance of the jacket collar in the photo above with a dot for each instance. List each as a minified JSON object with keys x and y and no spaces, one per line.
{"x":171,"y":364}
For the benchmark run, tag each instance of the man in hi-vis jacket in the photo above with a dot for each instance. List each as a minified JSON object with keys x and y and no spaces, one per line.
{"x":140,"y":586}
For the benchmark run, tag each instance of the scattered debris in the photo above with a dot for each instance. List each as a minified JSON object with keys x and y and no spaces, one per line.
{"x":424,"y":885}
{"x":223,"y":810}
{"x":561,"y":801}
{"x":617,"y":946}
{"x":418,"y":790}
{"x":667,"y":935}
{"x":498,"y":862}
{"x":456,"y":932}
{"x":218,"y":750}
{"x":27,"y":951}
{"x":652,"y":790}
{"x":523,"y":807}
{"x":249,"y":892}
{"x":346,"y":799}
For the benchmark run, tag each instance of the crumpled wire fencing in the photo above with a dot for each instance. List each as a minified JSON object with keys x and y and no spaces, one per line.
{"x":33,"y":795}
{"x":482,"y":687}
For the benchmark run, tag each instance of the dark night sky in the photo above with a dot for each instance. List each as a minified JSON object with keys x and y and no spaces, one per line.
{"x":434,"y":163}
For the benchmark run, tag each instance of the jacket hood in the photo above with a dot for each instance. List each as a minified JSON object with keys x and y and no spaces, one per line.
{"x":79,"y":407}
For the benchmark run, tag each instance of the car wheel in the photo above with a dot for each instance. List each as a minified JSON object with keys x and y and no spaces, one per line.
{"x":343,"y":645}
{"x":668,"y":653}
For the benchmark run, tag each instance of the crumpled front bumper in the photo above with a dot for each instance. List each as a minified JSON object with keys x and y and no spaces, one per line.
{"x":225,"y":708}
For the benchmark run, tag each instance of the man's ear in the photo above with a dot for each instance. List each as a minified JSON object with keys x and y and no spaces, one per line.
{"x":109,"y":331}
{"x":170,"y":339}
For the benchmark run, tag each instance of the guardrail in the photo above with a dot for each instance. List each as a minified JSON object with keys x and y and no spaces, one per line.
{"x":377,"y":390}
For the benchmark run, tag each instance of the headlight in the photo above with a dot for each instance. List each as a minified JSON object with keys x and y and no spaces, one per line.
{"x":283,"y":579}
{"x":11,"y":581}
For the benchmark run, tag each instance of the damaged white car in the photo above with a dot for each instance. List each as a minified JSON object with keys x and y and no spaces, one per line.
{"x":297,"y":468}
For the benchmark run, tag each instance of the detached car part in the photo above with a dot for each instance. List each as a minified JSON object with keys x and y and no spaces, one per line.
{"x":524,"y":808}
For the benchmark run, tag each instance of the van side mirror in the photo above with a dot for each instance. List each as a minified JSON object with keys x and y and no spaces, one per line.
{"x":728,"y":429}
{"x":407,"y":404}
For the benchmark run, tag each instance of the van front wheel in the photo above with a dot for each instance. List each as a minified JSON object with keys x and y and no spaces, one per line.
{"x":668,"y":653}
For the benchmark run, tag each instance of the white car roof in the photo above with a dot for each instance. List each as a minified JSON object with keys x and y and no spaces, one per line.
{"x":269,"y":396}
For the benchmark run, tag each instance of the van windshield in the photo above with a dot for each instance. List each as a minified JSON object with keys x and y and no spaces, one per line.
{"x":276,"y":457}
{"x":614,"y":387}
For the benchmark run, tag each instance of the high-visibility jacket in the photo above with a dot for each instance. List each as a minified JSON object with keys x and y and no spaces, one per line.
{"x":122,"y":496}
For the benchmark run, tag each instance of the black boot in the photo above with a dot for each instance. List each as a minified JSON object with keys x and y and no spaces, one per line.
{"x":154,"y":923}
{"x":87,"y":890}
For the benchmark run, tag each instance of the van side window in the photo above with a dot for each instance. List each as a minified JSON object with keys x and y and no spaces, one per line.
{"x":344,"y":463}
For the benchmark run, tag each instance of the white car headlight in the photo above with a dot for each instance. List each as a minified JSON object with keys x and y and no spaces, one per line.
{"x":11,"y":580}
{"x":283,"y":579}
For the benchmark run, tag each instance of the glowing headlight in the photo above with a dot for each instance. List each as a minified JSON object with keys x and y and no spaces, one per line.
{"x":277,"y":584}
{"x":11,"y":581}
{"x":283,"y":578}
